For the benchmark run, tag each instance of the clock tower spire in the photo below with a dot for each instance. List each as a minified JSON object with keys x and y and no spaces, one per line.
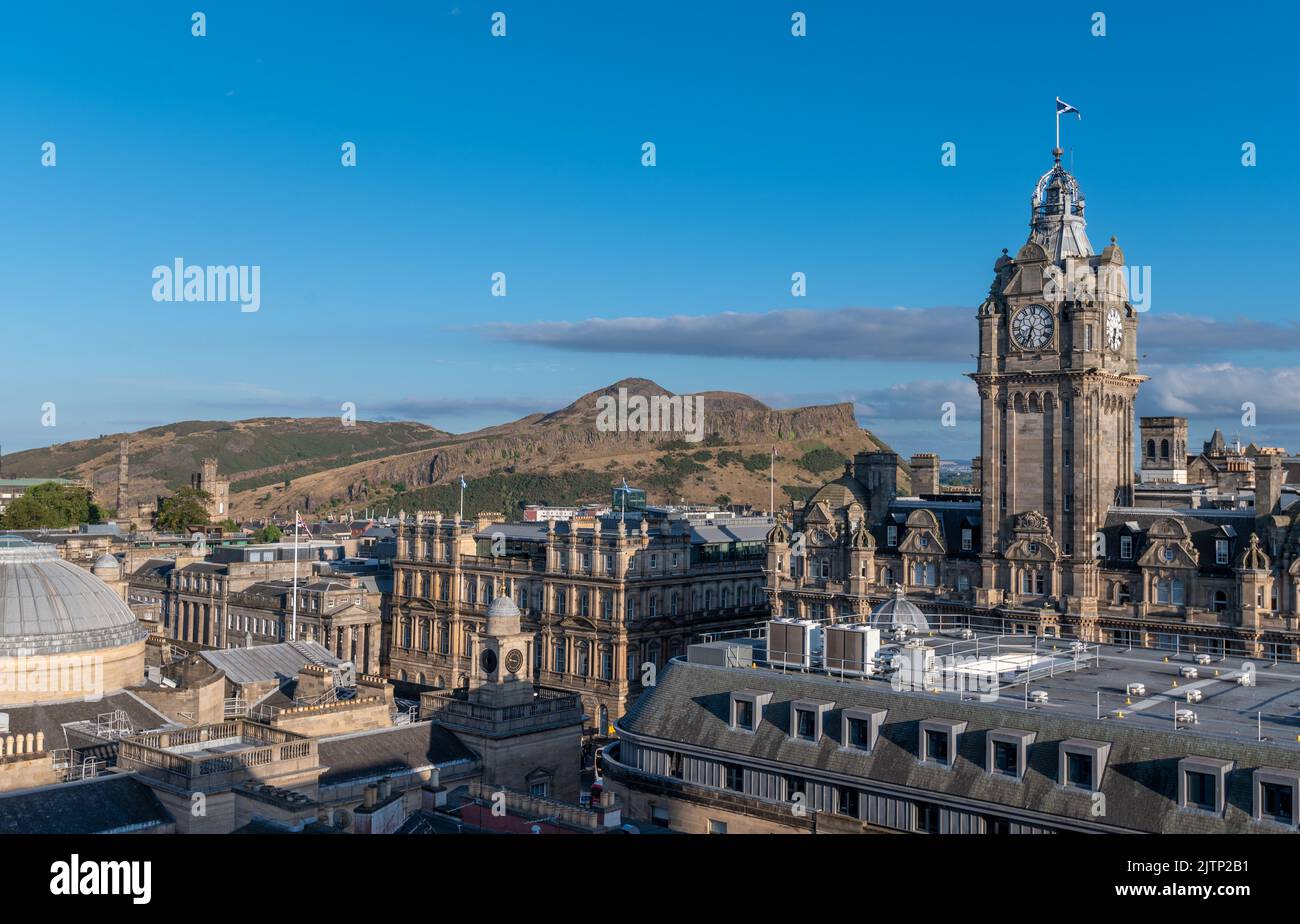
{"x":1057,"y":378}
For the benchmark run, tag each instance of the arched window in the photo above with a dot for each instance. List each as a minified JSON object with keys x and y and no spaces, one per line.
{"x":1164,"y":449}
{"x":1151,"y":449}
{"x":1220,"y":601}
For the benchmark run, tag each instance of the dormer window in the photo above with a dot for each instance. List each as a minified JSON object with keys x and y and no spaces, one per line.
{"x":938,"y":741}
{"x":1275,"y":795}
{"x":747,"y":709}
{"x":1126,"y":547}
{"x":806,"y":719}
{"x":891,"y":535}
{"x":1082,"y":764}
{"x":861,"y":728}
{"x":1007,"y":752}
{"x":1201,"y":783}
{"x":1220,"y":551}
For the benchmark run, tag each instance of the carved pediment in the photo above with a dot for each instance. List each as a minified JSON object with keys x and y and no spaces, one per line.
{"x":1031,"y":521}
{"x":817,"y":515}
{"x":922,"y":542}
{"x":1038,"y":548}
{"x":1169,"y":553}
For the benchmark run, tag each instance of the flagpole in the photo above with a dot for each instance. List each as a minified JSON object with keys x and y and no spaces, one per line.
{"x":293,"y":633}
{"x":771,"y":484}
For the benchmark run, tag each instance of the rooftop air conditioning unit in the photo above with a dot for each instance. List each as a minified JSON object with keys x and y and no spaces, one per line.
{"x":1189,"y":672}
{"x":1246,"y":679}
{"x":1185,"y":717}
{"x":1203,"y":659}
{"x":1193,"y":696}
{"x":1136,"y":689}
{"x":1038,"y":696}
{"x":851,"y":650}
{"x":794,"y":643}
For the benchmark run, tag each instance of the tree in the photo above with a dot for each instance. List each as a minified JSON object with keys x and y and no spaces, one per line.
{"x":53,"y":505}
{"x":187,"y":507}
{"x":268,"y":533}
{"x":229,"y":526}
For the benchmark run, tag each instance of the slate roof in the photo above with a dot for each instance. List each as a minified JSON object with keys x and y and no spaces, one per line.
{"x":269,"y":662}
{"x":115,"y":803}
{"x":1205,"y":526}
{"x":51,"y":718}
{"x":362,"y":755}
{"x":690,"y":703}
{"x":953,"y":517}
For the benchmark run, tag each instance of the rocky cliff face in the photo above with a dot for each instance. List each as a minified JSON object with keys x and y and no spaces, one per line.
{"x":570,"y":436}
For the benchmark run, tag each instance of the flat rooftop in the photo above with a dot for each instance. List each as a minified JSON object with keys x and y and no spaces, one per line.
{"x":1090,"y":681}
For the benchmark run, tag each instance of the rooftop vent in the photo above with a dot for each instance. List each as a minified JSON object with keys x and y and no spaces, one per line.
{"x":1038,"y":696}
{"x":1189,"y":672}
{"x":1203,"y":659}
{"x":1136,"y":689}
{"x":1193,"y":696}
{"x":1185,"y":717}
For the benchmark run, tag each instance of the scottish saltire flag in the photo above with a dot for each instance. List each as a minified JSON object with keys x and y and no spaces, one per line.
{"x":1063,"y":107}
{"x":462,"y":482}
{"x":299,"y":524}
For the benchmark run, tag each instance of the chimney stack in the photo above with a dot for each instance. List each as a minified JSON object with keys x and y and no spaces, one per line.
{"x":1268,"y":481}
{"x":925,"y":473}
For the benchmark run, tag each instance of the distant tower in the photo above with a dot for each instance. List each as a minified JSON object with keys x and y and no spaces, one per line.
{"x":878,"y":471}
{"x":123,"y":467}
{"x":218,"y":489}
{"x":1164,"y":449}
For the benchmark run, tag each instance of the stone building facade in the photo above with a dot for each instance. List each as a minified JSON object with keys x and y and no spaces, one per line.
{"x":602,"y":598}
{"x":244,"y":596}
{"x":1063,"y":535}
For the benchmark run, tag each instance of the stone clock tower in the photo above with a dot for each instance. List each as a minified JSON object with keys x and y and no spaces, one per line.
{"x":1057,"y":378}
{"x":502,"y":673}
{"x":527,"y":738}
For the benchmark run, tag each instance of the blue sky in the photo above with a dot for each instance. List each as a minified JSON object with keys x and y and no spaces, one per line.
{"x":522,"y":155}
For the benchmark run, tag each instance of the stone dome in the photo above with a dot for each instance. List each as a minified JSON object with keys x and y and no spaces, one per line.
{"x":49,"y":606}
{"x":503,"y":617}
{"x":840,"y":493}
{"x":898,"y":611}
{"x":106,"y":566}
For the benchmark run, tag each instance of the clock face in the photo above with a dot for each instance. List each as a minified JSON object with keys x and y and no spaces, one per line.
{"x":1032,"y":327}
{"x":1114,"y":329}
{"x":514,"y":660}
{"x":488,"y":661}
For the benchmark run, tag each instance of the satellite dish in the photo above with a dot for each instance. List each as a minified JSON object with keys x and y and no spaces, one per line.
{"x":537,"y":829}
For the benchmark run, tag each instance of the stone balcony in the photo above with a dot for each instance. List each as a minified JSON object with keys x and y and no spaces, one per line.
{"x":219,"y":756}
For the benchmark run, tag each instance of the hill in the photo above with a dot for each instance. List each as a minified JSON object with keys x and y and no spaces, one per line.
{"x":562,"y":457}
{"x":251,"y":453}
{"x":279,"y":464}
